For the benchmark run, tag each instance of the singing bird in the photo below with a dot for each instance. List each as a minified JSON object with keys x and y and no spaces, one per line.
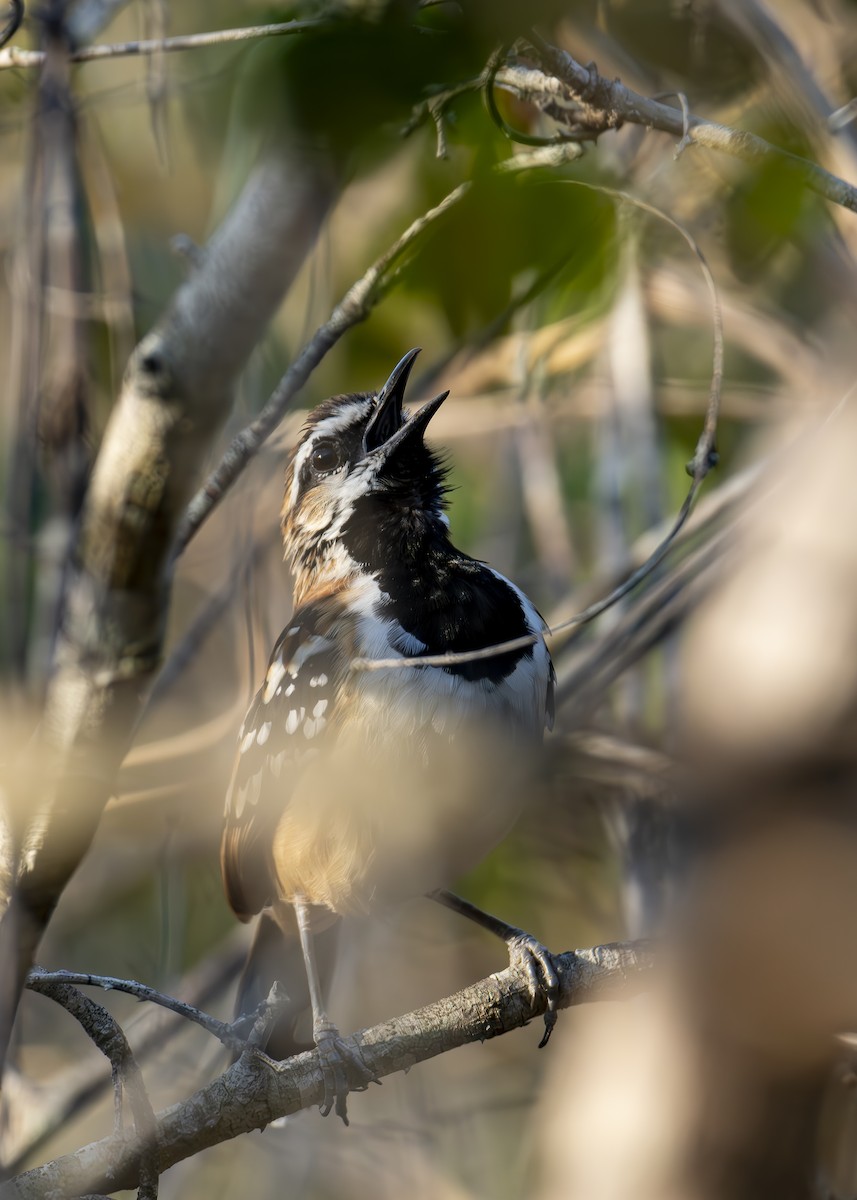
{"x":355,"y":789}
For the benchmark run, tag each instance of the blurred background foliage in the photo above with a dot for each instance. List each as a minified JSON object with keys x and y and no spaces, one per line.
{"x":575,"y":334}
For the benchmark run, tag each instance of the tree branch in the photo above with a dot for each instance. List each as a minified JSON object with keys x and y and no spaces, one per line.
{"x":37,"y":1118}
{"x":176,"y":395}
{"x":256,"y":1091}
{"x":620,"y":104}
{"x":15,"y":56}
{"x":107,"y":1035}
{"x":39,"y":980}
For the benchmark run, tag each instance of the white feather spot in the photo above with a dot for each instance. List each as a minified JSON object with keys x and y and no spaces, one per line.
{"x":292,"y":721}
{"x":248,"y":795}
{"x":310,"y":647}
{"x":320,"y":709}
{"x":263,"y":734}
{"x":290,"y":689}
{"x":276,"y":671}
{"x":249,"y":739}
{"x":310,"y":728}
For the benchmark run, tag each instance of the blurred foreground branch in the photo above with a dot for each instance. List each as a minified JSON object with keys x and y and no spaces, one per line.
{"x":256,"y":1091}
{"x":728,"y":1096}
{"x":175,"y":397}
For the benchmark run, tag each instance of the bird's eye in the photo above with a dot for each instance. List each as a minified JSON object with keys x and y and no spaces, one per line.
{"x":325,"y":458}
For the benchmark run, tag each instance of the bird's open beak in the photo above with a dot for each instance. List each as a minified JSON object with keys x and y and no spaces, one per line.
{"x":386,"y":431}
{"x":388,"y":415}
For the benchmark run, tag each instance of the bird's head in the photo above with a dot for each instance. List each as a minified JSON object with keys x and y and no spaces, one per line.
{"x":361,"y":484}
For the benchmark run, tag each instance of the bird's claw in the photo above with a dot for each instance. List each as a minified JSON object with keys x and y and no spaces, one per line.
{"x":338,"y":1059}
{"x":529,"y":955}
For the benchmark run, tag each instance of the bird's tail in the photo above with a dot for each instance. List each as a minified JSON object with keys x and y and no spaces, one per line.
{"x":274,"y":955}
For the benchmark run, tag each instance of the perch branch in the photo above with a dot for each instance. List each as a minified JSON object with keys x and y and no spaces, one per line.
{"x":256,"y":1091}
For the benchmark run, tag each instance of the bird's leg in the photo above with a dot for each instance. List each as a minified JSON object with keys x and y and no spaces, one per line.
{"x":524,"y":951}
{"x":336,"y":1056}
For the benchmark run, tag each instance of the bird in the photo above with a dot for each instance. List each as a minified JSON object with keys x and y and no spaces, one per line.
{"x":352,"y":789}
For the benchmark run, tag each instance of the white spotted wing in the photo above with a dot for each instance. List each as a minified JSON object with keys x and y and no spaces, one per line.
{"x":289,"y":717}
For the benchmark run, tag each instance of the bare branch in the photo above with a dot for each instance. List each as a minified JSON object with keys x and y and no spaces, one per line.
{"x":256,"y":1091}
{"x":14,"y":56}
{"x":38,"y":979}
{"x":621,"y":104}
{"x":578,"y":97}
{"x":82,"y":1084}
{"x":111,"y":1041}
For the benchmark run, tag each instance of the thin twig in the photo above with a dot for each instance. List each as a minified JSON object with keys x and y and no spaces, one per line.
{"x":581,"y":687}
{"x":264,"y":1021}
{"x":355,"y":306}
{"x":219,"y":1029}
{"x":435,"y":106}
{"x":14,"y":56}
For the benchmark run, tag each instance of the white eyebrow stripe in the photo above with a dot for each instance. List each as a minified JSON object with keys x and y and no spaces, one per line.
{"x":335,"y":423}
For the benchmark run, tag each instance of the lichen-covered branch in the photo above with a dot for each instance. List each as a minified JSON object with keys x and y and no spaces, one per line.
{"x":254,"y":1092}
{"x":621,"y":104}
{"x":107,"y":1035}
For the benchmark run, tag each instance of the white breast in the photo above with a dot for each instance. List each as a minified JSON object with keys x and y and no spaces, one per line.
{"x":400,"y":701}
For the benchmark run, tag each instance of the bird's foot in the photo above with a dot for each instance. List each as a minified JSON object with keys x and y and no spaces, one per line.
{"x":339,"y":1059}
{"x":530,"y":955}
